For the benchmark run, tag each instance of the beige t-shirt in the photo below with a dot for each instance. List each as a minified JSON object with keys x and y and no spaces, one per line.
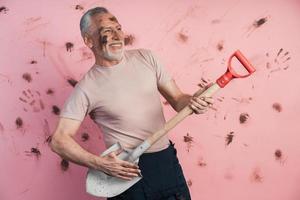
{"x":123,"y":100}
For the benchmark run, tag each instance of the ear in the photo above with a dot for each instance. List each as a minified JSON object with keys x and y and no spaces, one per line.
{"x":88,"y":41}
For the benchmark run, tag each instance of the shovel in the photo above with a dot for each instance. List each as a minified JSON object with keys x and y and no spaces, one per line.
{"x":103,"y":185}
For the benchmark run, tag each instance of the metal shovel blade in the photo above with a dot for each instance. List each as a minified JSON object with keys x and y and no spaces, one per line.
{"x":102,"y":185}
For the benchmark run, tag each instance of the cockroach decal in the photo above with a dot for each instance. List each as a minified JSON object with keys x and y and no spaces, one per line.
{"x":55,"y":110}
{"x":72,"y":82}
{"x":229,"y":138}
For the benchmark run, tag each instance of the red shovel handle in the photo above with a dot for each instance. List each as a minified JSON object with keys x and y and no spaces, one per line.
{"x":243,"y":60}
{"x":230,"y":73}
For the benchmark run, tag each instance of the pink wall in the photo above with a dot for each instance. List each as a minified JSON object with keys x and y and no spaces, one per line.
{"x":193,"y":38}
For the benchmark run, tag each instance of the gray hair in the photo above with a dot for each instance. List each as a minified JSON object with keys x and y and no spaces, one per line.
{"x":85,"y":20}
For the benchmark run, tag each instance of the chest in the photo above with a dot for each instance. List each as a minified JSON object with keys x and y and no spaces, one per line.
{"x":127,"y":91}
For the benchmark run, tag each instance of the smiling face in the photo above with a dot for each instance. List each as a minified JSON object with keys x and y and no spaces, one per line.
{"x":106,"y":37}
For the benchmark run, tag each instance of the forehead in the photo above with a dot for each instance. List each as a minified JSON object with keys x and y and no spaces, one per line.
{"x":104,"y":19}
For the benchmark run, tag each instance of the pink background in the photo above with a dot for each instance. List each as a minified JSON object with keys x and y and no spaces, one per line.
{"x":194,"y":39}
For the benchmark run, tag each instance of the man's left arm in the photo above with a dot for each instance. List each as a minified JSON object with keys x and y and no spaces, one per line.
{"x":178,"y":100}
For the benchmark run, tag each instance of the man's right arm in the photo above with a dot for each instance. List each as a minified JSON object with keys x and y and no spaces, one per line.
{"x":64,"y":144}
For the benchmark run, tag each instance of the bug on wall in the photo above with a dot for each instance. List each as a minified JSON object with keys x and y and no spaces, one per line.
{"x":19,"y":122}
{"x":243,"y":117}
{"x":34,"y":151}
{"x":49,"y":91}
{"x":277,"y":107}
{"x":69,"y":46}
{"x":64,"y":164}
{"x":229,"y":138}
{"x":27,"y":76}
{"x":85,"y":137}
{"x":189,"y":140}
{"x":55,"y":110}
{"x":72,"y":82}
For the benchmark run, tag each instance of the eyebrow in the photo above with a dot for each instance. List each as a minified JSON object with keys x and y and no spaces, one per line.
{"x":107,"y":27}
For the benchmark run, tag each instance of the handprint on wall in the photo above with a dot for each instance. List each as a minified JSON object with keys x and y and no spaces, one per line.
{"x":281,"y":61}
{"x":32,"y":100}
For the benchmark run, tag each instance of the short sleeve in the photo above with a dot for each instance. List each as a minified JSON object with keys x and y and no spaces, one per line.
{"x":76,"y":106}
{"x":162,"y":74}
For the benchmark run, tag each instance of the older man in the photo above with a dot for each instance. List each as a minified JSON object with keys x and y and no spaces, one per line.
{"x":121,"y":93}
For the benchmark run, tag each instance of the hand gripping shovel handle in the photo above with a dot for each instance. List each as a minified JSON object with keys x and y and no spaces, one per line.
{"x":186,"y":111}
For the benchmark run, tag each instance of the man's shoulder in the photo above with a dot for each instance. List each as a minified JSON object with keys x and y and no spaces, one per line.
{"x":88,"y":78}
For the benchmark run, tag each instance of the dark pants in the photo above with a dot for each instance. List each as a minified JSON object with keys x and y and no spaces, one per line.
{"x":162,"y":178}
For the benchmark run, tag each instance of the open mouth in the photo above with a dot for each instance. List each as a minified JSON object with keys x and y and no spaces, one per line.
{"x":116,"y":45}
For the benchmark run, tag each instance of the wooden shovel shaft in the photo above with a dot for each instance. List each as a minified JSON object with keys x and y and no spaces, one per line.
{"x":186,"y":111}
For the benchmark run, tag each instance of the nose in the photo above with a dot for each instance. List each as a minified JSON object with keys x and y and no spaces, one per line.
{"x":117,"y":35}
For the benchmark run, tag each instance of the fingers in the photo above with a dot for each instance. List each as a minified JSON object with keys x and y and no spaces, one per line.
{"x":131,"y":168}
{"x":133,"y":171}
{"x":129,"y":164}
{"x":197,"y":110}
{"x":122,"y":172}
{"x":113,"y":156}
{"x":200,"y":104}
{"x":130,"y":172}
{"x":117,"y":167}
{"x":123,"y":177}
{"x":127,"y":173}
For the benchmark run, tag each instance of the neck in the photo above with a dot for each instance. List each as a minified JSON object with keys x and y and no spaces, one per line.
{"x":104,"y":62}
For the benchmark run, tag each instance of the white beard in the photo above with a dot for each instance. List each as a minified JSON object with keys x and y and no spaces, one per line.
{"x":113,"y":56}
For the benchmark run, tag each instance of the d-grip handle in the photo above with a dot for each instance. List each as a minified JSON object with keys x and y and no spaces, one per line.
{"x":245,"y":62}
{"x":230,"y":73}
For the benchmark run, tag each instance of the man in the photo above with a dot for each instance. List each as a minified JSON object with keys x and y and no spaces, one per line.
{"x":121,"y":94}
